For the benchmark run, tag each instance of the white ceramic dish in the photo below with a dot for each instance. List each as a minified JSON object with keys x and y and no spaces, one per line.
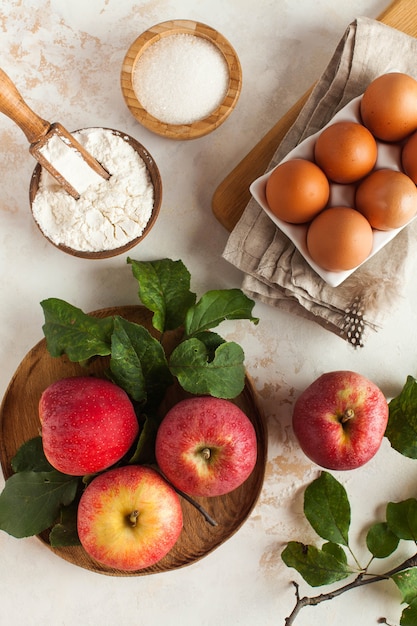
{"x":389,"y":156}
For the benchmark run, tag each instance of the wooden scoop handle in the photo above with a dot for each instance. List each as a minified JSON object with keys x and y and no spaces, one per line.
{"x":13,"y":105}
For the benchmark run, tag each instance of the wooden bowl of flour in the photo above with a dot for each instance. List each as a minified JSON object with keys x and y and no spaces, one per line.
{"x":107,"y":220}
{"x":181,"y":79}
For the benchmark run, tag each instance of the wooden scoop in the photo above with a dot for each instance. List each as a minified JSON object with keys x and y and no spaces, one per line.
{"x":51,"y":144}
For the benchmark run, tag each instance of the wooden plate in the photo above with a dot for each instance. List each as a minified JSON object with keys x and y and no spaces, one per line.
{"x":19,"y":422}
{"x":198,"y":128}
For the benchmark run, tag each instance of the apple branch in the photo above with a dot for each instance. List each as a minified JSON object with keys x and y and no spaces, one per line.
{"x":189,"y":499}
{"x":198,"y":506}
{"x":359,"y":581}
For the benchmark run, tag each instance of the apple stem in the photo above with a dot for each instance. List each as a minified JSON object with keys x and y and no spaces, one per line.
{"x":191,"y":500}
{"x":198,"y":506}
{"x":347,"y":415}
{"x":206,"y":453}
{"x":133,"y":518}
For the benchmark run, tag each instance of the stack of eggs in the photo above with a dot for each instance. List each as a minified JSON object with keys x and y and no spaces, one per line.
{"x":298,"y":191}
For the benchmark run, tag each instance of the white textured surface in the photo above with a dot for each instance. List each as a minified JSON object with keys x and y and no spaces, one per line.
{"x":66,"y":57}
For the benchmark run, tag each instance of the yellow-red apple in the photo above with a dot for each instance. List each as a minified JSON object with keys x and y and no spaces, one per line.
{"x":206,"y":446}
{"x":340,"y":420}
{"x":88,"y":424}
{"x":129,"y":518}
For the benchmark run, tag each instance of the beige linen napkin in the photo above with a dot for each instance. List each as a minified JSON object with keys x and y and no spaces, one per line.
{"x":275,"y":272}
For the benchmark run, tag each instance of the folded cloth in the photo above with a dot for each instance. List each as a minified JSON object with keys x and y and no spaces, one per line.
{"x":275,"y":272}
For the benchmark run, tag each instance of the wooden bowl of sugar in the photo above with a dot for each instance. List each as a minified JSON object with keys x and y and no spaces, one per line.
{"x":181,"y":79}
{"x":109,"y":218}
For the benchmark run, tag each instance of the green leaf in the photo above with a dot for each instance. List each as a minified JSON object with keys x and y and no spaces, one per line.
{"x":145,"y":449}
{"x":381,"y":541}
{"x":409,"y":615}
{"x":401,"y":430}
{"x":31,"y":457}
{"x":164,"y":288}
{"x":70,"y":331}
{"x":65,"y":533}
{"x":336,"y":550}
{"x":30,"y":501}
{"x":317,"y":567}
{"x":125,"y":363}
{"x":138,"y":363}
{"x":222,"y":377}
{"x":327,"y":508}
{"x":215,"y":307}
{"x":211,"y":340}
{"x":406,"y":581}
{"x":402,"y":519}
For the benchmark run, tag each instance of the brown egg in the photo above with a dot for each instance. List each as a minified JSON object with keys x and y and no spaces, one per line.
{"x":345,"y":151}
{"x":339,"y":239}
{"x":409,"y":157}
{"x":297,"y":190}
{"x":387,"y":198}
{"x":389,"y":106}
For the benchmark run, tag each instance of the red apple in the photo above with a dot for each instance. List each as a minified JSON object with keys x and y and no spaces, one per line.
{"x":88,"y":424}
{"x":129,"y":518}
{"x":206,"y":446}
{"x":340,"y":420}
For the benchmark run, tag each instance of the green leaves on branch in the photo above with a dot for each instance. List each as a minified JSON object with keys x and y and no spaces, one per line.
{"x":402,"y":423}
{"x":138,"y":363}
{"x":32,"y":498}
{"x":327,"y":508}
{"x":381,"y":541}
{"x":164,"y":289}
{"x":406,"y":581}
{"x":215,"y":307}
{"x":203,"y":362}
{"x":402,"y":519}
{"x":42,"y":494}
{"x":317,"y":566}
{"x":70,"y":331}
{"x":201,"y":374}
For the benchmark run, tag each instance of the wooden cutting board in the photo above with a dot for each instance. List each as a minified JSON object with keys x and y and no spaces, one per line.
{"x":232,"y":195}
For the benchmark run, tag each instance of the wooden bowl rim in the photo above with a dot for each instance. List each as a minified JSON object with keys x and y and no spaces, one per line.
{"x":198,"y":128}
{"x":157,"y":185}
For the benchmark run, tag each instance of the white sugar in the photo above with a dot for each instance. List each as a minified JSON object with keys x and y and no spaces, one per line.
{"x":181,"y":79}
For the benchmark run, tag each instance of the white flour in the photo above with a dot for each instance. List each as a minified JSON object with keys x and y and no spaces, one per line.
{"x":108,"y":214}
{"x":69,"y":163}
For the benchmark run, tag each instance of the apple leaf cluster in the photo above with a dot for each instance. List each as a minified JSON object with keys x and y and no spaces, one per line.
{"x":327,"y":509}
{"x":203,"y":362}
{"x":45,"y":494}
{"x":37,"y":496}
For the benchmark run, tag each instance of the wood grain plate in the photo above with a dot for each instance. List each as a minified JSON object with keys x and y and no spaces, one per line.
{"x":19,"y":422}
{"x":198,"y":128}
{"x":232,"y":195}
